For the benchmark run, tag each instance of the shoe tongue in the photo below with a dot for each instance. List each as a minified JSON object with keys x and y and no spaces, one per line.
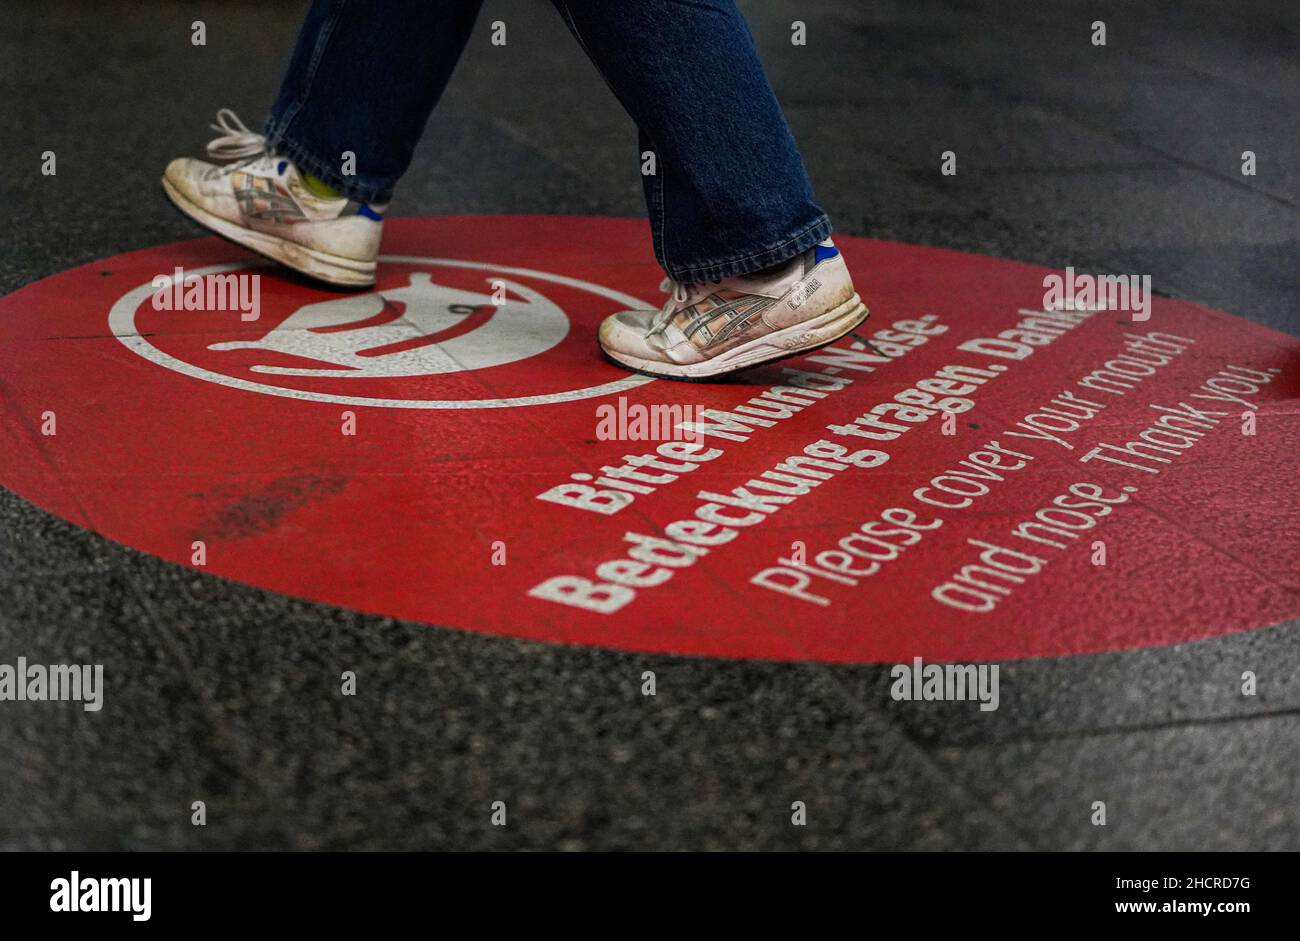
{"x":261,"y":163}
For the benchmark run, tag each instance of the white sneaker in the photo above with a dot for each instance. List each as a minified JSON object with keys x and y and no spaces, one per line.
{"x":261,"y":202}
{"x":709,"y":330}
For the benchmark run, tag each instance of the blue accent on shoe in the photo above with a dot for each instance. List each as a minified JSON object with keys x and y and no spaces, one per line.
{"x":365,"y":210}
{"x":280,"y":168}
{"x":822,"y":252}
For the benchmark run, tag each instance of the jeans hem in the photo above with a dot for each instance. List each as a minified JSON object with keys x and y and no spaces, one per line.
{"x":802,"y":240}
{"x":306,"y":160}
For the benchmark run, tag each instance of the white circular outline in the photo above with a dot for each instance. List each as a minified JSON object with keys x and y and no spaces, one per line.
{"x":121,"y":320}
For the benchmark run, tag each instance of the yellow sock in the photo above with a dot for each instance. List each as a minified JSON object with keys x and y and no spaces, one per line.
{"x":320,"y":187}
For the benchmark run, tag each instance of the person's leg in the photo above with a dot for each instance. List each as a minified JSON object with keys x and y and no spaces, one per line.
{"x":729,"y":195}
{"x":363,"y":79}
{"x":311,"y":192}
{"x":753,"y":275}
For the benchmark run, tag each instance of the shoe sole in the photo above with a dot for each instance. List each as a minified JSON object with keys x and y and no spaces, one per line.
{"x":795,"y":340}
{"x":334,"y":270}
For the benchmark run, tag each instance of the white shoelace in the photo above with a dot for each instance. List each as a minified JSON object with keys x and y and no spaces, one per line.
{"x":678,"y":293}
{"x":236,"y":142}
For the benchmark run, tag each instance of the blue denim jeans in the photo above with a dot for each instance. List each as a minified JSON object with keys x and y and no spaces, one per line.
{"x":729,"y":194}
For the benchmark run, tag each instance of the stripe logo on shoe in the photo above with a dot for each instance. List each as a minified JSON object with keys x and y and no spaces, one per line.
{"x":261,"y":198}
{"x":716,"y":319}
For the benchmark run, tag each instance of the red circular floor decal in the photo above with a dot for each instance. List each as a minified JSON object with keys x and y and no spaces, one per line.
{"x":1010,"y":466}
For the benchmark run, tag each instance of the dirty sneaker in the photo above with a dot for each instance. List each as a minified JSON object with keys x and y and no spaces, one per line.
{"x":262,"y":202}
{"x":712,"y":329}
